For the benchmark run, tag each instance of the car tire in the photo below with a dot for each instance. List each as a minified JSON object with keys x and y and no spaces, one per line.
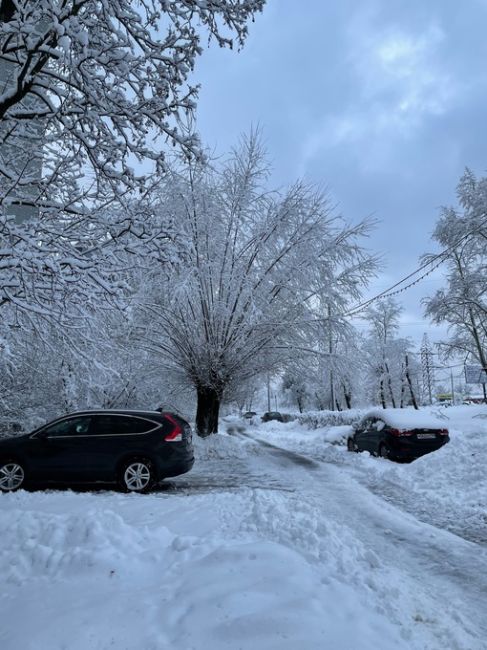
{"x":137,"y":475}
{"x":384,"y":451}
{"x":12,"y":476}
{"x":351,"y":445}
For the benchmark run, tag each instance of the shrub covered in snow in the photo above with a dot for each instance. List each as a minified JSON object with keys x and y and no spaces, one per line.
{"x":319,"y":419}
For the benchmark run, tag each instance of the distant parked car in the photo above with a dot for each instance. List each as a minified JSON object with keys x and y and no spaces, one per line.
{"x":272,"y":415}
{"x":397,"y":435}
{"x":248,"y":415}
{"x":135,"y":449}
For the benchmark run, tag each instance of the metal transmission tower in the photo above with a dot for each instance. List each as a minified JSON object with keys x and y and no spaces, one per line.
{"x":428,"y":369}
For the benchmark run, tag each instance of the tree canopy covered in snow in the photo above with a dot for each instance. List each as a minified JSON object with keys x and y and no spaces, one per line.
{"x":91,"y":92}
{"x":92,"y":88}
{"x":389,"y":369}
{"x":462,"y":303}
{"x":254,"y":270}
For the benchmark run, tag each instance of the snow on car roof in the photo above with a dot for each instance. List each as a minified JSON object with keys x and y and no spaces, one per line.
{"x":407,"y":418}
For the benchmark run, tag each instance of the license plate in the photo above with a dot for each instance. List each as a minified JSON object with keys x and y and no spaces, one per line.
{"x":426,"y":436}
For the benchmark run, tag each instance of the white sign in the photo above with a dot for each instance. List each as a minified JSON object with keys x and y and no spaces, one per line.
{"x":475,"y":375}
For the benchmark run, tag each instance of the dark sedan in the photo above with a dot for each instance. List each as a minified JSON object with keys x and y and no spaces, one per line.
{"x":272,"y":415}
{"x":134,"y":449}
{"x":383,"y":436}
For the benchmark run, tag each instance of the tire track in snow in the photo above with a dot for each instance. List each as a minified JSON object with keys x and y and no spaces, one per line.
{"x":279,"y":452}
{"x":450,"y":567}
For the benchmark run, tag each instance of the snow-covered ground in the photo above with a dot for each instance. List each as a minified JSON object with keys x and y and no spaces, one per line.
{"x":447,"y":488}
{"x":316,"y":548}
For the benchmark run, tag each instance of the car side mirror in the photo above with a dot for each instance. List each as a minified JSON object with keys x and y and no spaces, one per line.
{"x":42,"y":435}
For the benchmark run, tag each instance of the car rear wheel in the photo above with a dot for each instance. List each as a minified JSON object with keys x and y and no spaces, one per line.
{"x":350,"y":444}
{"x":137,"y":475}
{"x":12,"y":476}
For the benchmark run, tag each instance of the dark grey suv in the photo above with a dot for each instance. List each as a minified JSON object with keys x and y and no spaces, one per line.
{"x":135,"y":449}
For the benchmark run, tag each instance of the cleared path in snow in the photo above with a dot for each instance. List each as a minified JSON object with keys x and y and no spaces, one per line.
{"x":453,"y":571}
{"x":440,"y":577}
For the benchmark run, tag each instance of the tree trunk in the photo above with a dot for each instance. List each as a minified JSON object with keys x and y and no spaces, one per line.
{"x":389,"y":385}
{"x":207,"y":411}
{"x":300,"y":404}
{"x":348,"y":397}
{"x":403,"y":388}
{"x":382,"y":396}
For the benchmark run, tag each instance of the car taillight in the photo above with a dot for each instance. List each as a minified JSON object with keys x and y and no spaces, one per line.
{"x":176,"y":434}
{"x":400,"y":434}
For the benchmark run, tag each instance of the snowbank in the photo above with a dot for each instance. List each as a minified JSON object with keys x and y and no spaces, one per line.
{"x":224,"y":446}
{"x":230,"y":571}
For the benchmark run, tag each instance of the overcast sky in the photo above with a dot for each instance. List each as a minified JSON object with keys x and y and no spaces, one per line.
{"x":384,"y":101}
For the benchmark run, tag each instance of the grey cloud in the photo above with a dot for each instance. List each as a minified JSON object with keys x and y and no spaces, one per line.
{"x":383,"y":101}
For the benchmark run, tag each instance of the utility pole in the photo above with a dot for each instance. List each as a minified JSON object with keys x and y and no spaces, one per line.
{"x":428,"y":370}
{"x":268,"y":391}
{"x":330,"y":351}
{"x":452,"y":388}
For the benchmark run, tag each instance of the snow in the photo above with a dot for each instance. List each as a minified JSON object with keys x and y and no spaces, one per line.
{"x":97,"y":579}
{"x":407,"y":418}
{"x":448,"y":487}
{"x":255,"y":549}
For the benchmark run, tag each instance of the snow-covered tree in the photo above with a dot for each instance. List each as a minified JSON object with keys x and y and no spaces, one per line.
{"x":98,"y":362}
{"x":462,"y":304}
{"x":327,"y":376}
{"x":90,"y":88}
{"x":54,"y":269}
{"x":253,"y":270}
{"x":296,"y":389}
{"x":388,"y":367}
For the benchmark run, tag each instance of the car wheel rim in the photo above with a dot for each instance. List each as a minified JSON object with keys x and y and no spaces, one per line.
{"x":137,"y":476}
{"x":384,"y":452}
{"x":11,"y":477}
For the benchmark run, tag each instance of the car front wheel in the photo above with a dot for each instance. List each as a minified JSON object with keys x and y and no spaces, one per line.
{"x":12,"y":476}
{"x":384,"y":451}
{"x":137,"y":475}
{"x":350,"y":444}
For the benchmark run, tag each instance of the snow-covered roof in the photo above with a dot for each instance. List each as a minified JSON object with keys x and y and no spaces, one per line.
{"x":408,"y":418}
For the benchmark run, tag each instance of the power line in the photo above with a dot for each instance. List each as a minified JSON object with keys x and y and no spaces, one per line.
{"x":392,"y":291}
{"x":439,"y":258}
{"x":388,"y":293}
{"x":455,"y":365}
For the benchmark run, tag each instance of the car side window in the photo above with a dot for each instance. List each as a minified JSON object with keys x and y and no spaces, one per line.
{"x":71,"y":427}
{"x":105,"y":425}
